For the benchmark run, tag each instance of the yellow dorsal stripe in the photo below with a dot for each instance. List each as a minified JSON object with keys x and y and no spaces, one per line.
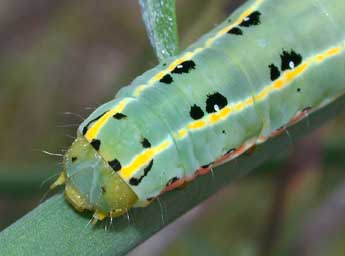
{"x":95,"y":128}
{"x":143,"y":159}
{"x":172,"y":66}
{"x":92,"y":133}
{"x":189,"y":55}
{"x":285,"y":80}
{"x":224,"y":30}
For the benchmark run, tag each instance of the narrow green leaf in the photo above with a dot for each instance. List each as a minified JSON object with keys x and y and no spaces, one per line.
{"x":160,"y":20}
{"x":54,"y":228}
{"x":26,"y":180}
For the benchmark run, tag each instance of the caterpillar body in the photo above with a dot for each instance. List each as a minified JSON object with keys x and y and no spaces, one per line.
{"x":261,"y":70}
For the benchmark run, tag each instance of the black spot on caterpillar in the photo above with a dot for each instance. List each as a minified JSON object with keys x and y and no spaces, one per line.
{"x":85,"y":130}
{"x":103,"y":189}
{"x":252,"y":19}
{"x":306,"y":109}
{"x":172,"y":180}
{"x":119,"y":116}
{"x":115,"y":164}
{"x":290,"y":60}
{"x":207,"y":165}
{"x":184,"y":67}
{"x":86,"y":127}
{"x":235,"y":31}
{"x":74,"y":158}
{"x":136,"y":181}
{"x":215,"y":102}
{"x":196,"y":112}
{"x":167,"y":79}
{"x":95,"y":143}
{"x":145,"y":142}
{"x":274,"y":70}
{"x":229,"y":151}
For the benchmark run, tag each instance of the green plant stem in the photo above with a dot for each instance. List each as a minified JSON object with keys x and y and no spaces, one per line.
{"x":54,"y":228}
{"x":160,"y":20}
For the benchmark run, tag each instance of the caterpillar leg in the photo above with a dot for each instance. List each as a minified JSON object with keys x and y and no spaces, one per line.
{"x":98,"y":216}
{"x":60,"y":180}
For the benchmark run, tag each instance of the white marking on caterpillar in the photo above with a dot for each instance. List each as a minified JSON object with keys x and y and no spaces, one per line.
{"x":291,"y":64}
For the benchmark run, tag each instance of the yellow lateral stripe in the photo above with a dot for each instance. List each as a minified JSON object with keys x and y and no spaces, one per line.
{"x":95,"y":128}
{"x":142,"y":159}
{"x":189,"y":55}
{"x":279,"y":84}
{"x":147,"y":155}
{"x":329,"y":53}
{"x":218,"y":116}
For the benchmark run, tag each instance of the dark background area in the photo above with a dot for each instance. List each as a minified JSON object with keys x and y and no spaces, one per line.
{"x":59,"y":60}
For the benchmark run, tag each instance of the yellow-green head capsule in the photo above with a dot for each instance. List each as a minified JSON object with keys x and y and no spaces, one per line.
{"x":90,"y":183}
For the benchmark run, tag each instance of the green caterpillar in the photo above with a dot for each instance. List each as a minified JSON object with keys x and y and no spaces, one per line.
{"x":263,"y":69}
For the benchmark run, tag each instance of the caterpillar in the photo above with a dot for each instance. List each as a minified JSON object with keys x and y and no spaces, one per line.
{"x":263,"y":69}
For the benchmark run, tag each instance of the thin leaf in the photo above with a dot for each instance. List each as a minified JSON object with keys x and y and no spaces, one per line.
{"x":26,"y":180}
{"x":160,"y":20}
{"x":54,"y":228}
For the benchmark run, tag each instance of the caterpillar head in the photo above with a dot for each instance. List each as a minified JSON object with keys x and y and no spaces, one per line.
{"x":90,"y":183}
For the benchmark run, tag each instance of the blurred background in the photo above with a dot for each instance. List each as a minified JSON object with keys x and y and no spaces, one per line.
{"x":60,"y":59}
